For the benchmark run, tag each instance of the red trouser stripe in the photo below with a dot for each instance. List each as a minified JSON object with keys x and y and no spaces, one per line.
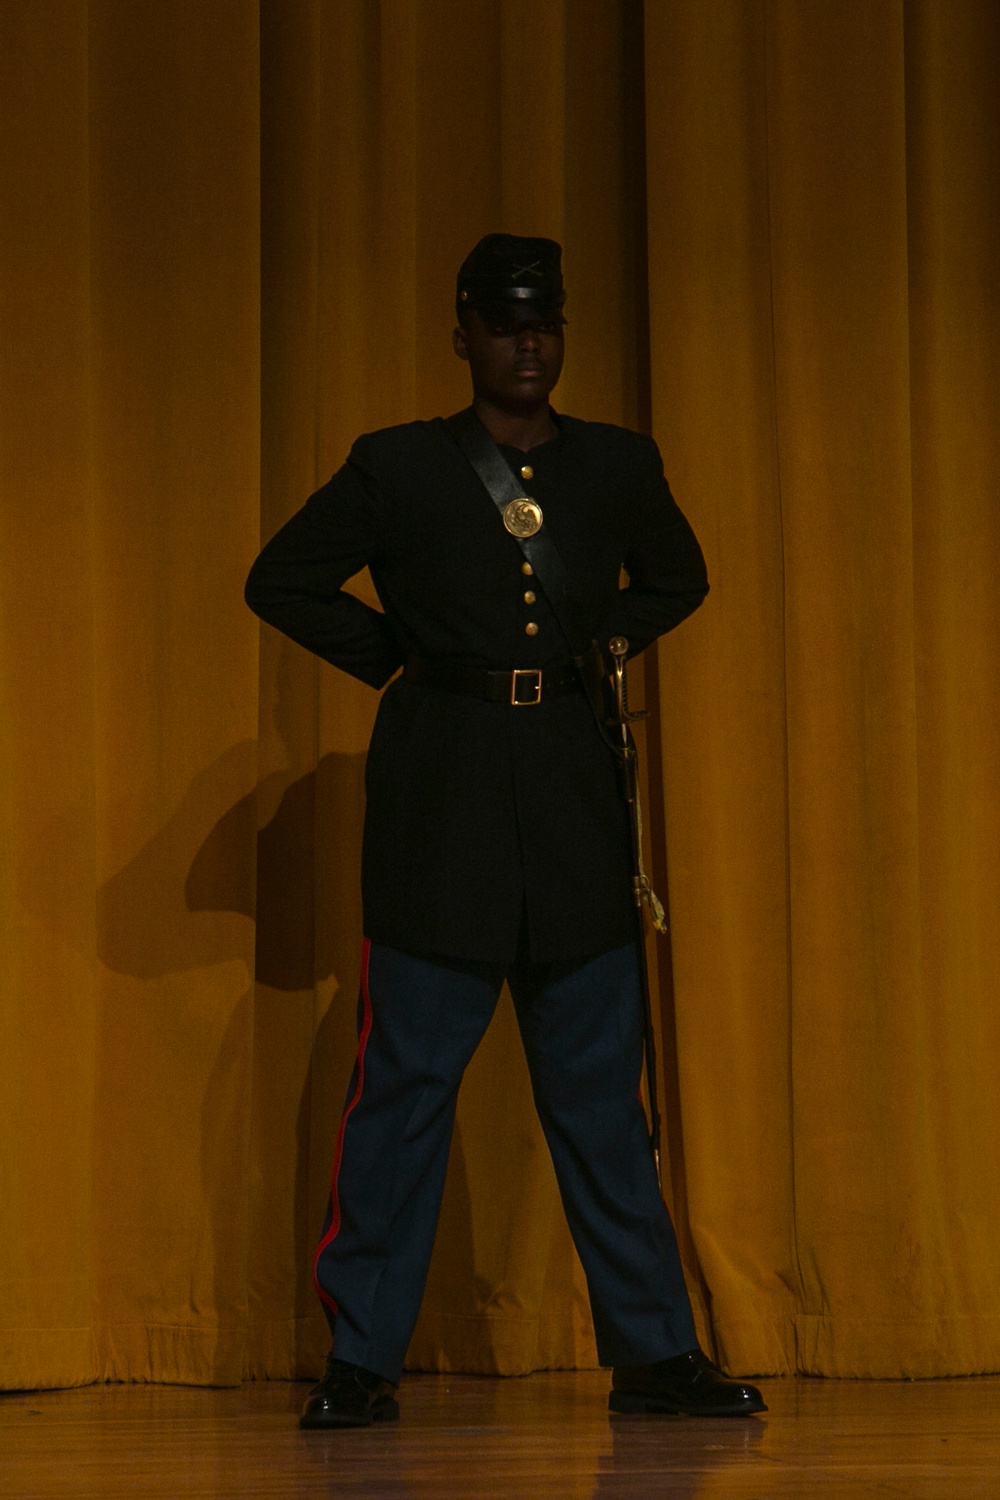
{"x":366,"y":1026}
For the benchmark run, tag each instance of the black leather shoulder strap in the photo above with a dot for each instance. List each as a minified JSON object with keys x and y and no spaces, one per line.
{"x":540,"y":550}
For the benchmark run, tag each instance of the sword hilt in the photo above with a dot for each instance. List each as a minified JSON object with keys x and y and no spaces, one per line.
{"x":618,"y":646}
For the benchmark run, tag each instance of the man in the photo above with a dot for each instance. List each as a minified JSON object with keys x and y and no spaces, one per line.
{"x":496,"y":840}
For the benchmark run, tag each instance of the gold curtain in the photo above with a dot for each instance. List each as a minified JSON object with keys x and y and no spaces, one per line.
{"x":230,"y":237}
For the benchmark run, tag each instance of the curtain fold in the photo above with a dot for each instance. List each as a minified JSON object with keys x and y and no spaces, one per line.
{"x":48,"y":1019}
{"x":130,"y":511}
{"x":230,"y":243}
{"x":790,"y":169}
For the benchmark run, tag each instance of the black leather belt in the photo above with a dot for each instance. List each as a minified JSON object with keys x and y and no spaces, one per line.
{"x":523,"y":688}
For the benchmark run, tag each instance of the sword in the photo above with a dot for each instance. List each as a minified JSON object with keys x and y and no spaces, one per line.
{"x":643,"y":894}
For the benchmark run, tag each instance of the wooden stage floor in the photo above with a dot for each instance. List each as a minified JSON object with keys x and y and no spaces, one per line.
{"x":476,"y":1438}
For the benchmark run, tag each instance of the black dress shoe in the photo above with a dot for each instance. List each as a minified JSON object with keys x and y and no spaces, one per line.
{"x":688,"y":1383}
{"x":349,"y":1396}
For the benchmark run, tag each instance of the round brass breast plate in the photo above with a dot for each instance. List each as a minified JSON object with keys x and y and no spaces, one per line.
{"x":522,"y":517}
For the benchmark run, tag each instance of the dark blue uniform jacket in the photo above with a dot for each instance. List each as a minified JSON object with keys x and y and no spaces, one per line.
{"x":478,"y":813}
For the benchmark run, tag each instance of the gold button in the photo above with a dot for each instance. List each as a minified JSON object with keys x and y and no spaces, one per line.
{"x":527,"y":472}
{"x":531,"y":628}
{"x":529,"y":597}
{"x":527,"y":569}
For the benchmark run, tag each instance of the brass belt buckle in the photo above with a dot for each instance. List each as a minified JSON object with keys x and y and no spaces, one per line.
{"x":536,"y":686}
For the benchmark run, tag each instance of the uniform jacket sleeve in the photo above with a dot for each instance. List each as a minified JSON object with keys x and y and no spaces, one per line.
{"x":296,"y":584}
{"x":667,"y":578}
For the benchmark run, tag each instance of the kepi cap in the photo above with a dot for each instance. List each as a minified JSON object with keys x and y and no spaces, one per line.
{"x":513,"y":270}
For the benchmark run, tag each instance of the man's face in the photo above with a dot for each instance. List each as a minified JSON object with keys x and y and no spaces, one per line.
{"x":515,"y":355}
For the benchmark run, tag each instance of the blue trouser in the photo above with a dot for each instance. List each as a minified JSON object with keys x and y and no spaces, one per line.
{"x":419,"y":1024}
